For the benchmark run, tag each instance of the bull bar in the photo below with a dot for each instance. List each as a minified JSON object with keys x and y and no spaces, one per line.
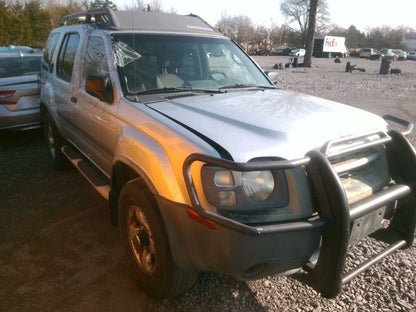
{"x":335,"y":214}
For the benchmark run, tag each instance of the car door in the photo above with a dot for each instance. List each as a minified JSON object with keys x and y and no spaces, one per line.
{"x":94,"y":117}
{"x":63,"y":85}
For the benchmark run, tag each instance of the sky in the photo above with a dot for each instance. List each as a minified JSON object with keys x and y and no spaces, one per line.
{"x":363,"y":14}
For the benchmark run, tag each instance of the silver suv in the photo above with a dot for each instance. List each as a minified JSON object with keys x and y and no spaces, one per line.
{"x":207,"y":166}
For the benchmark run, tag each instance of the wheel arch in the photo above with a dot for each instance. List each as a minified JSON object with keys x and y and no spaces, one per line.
{"x":125,"y":171}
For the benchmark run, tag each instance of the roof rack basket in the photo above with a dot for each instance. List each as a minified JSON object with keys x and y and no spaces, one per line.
{"x":102,"y":17}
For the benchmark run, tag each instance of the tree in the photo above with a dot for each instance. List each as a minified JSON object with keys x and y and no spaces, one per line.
{"x":56,"y":10}
{"x":18,"y":33}
{"x":93,"y":4}
{"x":5,"y":37}
{"x":311,"y":32}
{"x":239,"y":28}
{"x":261,"y":39}
{"x":297,"y":11}
{"x":149,"y":6}
{"x":39,"y":22}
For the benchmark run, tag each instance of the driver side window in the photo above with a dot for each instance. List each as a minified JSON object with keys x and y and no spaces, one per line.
{"x":95,"y":60}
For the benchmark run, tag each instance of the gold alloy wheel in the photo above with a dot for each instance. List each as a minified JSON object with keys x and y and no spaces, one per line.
{"x":141,"y":240}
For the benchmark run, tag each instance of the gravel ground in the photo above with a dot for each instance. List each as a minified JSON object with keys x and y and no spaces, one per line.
{"x":58,"y":251}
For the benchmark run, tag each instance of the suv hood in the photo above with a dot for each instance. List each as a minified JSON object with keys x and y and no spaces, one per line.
{"x":263,"y":123}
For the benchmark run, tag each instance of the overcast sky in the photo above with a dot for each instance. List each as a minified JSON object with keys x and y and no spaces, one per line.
{"x":361,"y":13}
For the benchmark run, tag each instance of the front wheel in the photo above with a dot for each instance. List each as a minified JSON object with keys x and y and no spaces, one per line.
{"x":145,"y":241}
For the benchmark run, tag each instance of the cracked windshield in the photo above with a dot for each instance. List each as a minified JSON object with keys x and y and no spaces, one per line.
{"x":155,"y":63}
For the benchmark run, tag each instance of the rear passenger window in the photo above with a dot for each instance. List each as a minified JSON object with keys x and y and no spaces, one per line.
{"x":48,"y":53}
{"x":66,"y":56}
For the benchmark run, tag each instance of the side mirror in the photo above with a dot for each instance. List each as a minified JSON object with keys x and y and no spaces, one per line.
{"x":100,"y":87}
{"x":273,"y":75}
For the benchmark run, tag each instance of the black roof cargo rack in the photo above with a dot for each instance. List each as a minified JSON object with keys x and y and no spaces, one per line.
{"x":105,"y":18}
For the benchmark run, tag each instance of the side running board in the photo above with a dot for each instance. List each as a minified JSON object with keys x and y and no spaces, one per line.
{"x":97,"y":179}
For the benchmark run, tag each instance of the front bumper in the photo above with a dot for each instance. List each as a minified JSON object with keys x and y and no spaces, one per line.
{"x":248,"y":251}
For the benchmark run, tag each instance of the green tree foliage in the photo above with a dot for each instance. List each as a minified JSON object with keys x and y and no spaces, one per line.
{"x":5,"y":37}
{"x":38,"y":23}
{"x":93,"y":4}
{"x":23,"y":24}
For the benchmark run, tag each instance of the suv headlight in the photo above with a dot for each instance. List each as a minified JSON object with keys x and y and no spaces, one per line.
{"x":257,"y":185}
{"x":242,"y":195}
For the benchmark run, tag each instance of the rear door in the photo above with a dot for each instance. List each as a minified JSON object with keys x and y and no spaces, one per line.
{"x":65,"y":82}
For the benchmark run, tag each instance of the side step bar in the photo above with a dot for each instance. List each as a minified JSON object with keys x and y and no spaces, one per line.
{"x":97,"y":179}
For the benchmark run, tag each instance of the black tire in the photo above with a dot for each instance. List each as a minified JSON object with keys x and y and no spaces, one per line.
{"x":145,"y":242}
{"x":53,"y":144}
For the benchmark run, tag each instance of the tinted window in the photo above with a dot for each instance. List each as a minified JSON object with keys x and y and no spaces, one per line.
{"x":19,"y":66}
{"x":49,"y":49}
{"x":66,"y":56}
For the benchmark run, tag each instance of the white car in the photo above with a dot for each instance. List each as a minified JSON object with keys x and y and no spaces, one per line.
{"x":411,"y":56}
{"x":297,"y":52}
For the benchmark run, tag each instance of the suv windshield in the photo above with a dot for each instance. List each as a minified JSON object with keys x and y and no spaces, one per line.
{"x":157,"y":62}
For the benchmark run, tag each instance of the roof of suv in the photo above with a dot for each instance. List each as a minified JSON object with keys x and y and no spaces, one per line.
{"x":105,"y":18}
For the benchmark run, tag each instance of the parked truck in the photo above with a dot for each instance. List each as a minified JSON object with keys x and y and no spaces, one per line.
{"x":330,"y":46}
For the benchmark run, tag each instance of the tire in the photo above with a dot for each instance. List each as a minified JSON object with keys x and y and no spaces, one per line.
{"x":145,"y":242}
{"x":53,"y":144}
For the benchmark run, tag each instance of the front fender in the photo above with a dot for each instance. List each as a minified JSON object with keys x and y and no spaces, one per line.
{"x":157,"y":159}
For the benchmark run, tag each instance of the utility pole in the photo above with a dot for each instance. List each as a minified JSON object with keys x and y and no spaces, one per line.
{"x":313,"y":6}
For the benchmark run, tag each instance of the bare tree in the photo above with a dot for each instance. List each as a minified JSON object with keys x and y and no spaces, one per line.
{"x":297,"y":11}
{"x":151,"y":6}
{"x":311,"y":32}
{"x":239,"y":28}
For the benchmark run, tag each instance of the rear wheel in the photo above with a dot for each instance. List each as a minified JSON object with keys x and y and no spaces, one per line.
{"x":53,"y":143}
{"x":145,"y":241}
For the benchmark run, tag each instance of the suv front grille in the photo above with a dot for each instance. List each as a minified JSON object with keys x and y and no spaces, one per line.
{"x":362,"y":173}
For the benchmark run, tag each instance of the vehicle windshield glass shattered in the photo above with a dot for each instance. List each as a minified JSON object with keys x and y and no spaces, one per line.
{"x":154,"y":63}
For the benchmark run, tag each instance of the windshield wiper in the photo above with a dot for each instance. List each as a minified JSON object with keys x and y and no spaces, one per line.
{"x":246,"y":85}
{"x":164,"y":90}
{"x":178,"y":89}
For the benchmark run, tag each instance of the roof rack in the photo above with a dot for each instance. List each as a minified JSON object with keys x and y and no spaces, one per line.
{"x":106,"y":18}
{"x":103,"y":17}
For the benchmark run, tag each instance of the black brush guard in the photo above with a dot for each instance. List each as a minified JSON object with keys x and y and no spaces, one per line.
{"x":335,"y":214}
